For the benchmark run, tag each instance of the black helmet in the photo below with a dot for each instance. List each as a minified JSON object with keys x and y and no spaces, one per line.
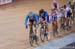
{"x":41,"y":11}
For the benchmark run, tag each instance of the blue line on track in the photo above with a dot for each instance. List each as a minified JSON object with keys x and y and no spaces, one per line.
{"x":58,"y":43}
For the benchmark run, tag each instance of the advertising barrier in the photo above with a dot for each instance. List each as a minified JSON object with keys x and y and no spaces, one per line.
{"x":2,"y":2}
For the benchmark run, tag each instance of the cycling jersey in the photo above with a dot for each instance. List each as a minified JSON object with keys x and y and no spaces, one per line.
{"x":35,"y":18}
{"x":54,"y":16}
{"x":45,"y":17}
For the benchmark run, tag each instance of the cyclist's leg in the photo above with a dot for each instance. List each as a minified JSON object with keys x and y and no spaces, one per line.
{"x":53,"y":28}
{"x":46,"y":32}
{"x":36,"y":39}
{"x":35,"y":33}
{"x":64,"y":23}
{"x":69,"y":20}
{"x":56,"y":29}
{"x":70,"y":24}
{"x":46,"y":35}
{"x":41,"y":30}
{"x":40,"y":33}
{"x":57,"y":32}
{"x":31,"y":35}
{"x":61,"y":23}
{"x":31,"y":39}
{"x":72,"y":18}
{"x":54,"y":32}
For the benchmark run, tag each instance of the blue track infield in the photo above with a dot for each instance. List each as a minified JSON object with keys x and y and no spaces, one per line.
{"x":58,"y":43}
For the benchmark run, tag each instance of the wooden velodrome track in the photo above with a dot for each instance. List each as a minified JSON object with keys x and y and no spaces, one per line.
{"x":13,"y":34}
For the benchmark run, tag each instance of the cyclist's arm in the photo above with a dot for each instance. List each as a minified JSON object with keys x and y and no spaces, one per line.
{"x":26,"y":20}
{"x":47,"y":17}
{"x":40,"y":20}
{"x":37,"y":19}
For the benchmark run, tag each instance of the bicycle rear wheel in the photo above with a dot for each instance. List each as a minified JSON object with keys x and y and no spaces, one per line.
{"x":42,"y":34}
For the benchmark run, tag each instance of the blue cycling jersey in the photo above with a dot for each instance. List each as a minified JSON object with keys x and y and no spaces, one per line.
{"x":45,"y":16}
{"x":54,"y":17}
{"x":34,"y":16}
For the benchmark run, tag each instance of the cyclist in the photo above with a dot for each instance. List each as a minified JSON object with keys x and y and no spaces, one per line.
{"x":62,"y":18}
{"x":69,"y":17}
{"x":54,"y":15}
{"x":32,"y":19}
{"x":44,"y":19}
{"x":72,"y":6}
{"x":54,"y":22}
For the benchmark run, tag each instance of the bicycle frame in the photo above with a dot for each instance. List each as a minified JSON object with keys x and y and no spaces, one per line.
{"x":32,"y":35}
{"x":43,"y":31}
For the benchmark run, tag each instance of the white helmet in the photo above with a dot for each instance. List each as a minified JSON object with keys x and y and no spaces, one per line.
{"x":30,"y":13}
